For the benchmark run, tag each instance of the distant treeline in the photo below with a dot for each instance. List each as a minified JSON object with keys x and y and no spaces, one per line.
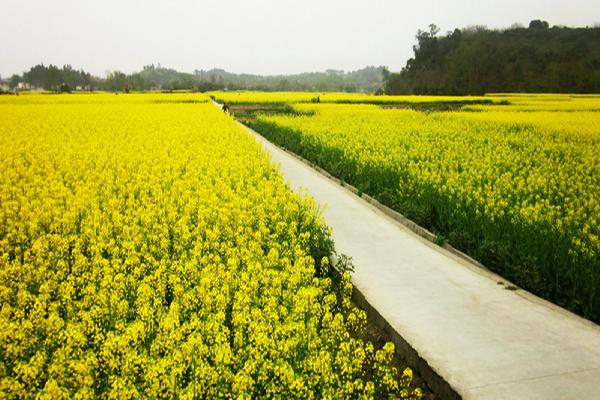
{"x":368,"y":79}
{"x":151,"y":77}
{"x":474,"y":60}
{"x":478,"y":60}
{"x":53,"y":78}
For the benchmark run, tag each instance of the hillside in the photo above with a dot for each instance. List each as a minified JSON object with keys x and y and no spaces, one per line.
{"x":478,"y":60}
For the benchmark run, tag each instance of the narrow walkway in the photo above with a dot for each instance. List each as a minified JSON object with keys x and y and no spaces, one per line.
{"x":485,"y":341}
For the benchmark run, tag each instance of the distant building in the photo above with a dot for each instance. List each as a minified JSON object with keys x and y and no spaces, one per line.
{"x":23,"y":86}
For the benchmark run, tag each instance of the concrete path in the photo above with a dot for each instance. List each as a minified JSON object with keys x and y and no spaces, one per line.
{"x":485,"y":341}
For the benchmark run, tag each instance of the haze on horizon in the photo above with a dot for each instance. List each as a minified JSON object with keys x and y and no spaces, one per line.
{"x":259,"y":36}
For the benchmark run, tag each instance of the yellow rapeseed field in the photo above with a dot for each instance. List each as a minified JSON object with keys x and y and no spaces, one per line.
{"x":540,"y":102}
{"x":519,"y":189}
{"x":149,"y":249}
{"x":262,"y":97}
{"x":251,"y":97}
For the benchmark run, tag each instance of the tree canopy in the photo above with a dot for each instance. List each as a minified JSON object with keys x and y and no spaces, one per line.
{"x":477,"y":60}
{"x":56,"y":79}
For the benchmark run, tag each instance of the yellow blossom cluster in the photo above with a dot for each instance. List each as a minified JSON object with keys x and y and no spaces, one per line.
{"x":527,"y":102}
{"x":243,"y":97}
{"x":103,"y":98}
{"x":150,"y":249}
{"x":520,"y":191}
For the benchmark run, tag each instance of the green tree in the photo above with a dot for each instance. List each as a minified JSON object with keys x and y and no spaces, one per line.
{"x":53,"y":78}
{"x":14,"y":81}
{"x":478,"y":60}
{"x":117,"y":82}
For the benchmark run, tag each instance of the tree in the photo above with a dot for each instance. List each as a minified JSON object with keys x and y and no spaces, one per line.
{"x":14,"y":81}
{"x":284,"y":85}
{"x":36,"y":76}
{"x":538,"y":24}
{"x":433,"y":30}
{"x":117,"y":81}
{"x":53,"y":78}
{"x":137,"y":82}
{"x":385,"y":73}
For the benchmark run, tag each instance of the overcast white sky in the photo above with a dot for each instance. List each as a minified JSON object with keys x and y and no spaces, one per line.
{"x":254,"y":36}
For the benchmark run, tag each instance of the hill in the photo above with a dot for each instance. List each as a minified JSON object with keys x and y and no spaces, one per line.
{"x":478,"y":60}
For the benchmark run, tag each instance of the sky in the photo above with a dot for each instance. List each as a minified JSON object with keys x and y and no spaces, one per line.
{"x":252,"y":36}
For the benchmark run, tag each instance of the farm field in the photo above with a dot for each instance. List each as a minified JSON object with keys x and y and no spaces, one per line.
{"x":150,"y":249}
{"x":281,"y":98}
{"x":514,"y":183}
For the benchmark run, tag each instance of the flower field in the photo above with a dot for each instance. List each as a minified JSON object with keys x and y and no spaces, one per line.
{"x":249,"y":97}
{"x":149,"y":249}
{"x":516,"y":186}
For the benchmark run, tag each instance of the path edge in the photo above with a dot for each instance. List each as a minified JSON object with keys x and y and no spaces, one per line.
{"x":438,"y":385}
